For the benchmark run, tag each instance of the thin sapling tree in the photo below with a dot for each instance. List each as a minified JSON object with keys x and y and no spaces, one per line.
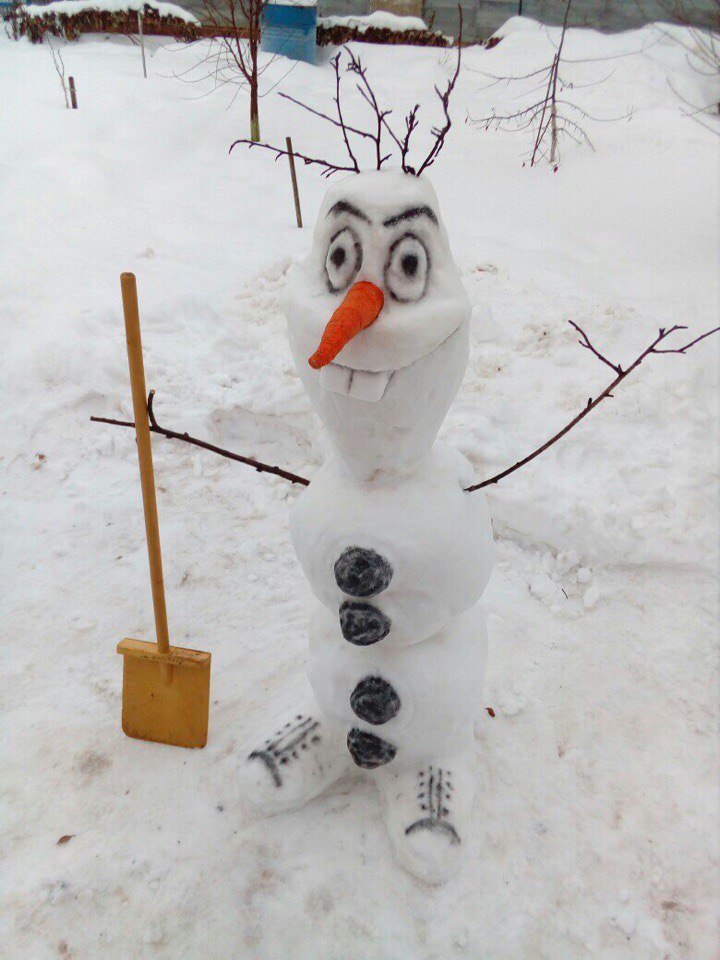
{"x":232,"y":57}
{"x":59,"y":65}
{"x":550,"y":116}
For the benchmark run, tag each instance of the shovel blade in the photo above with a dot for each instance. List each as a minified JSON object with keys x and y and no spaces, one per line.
{"x":175,"y":713}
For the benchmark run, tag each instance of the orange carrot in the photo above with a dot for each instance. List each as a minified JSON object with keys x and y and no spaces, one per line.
{"x":361,"y":307}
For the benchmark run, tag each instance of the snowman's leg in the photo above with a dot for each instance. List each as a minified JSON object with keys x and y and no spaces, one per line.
{"x":427,"y":810}
{"x":300,"y":759}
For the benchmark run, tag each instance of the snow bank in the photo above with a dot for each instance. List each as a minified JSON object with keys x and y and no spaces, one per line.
{"x":294,"y":3}
{"x":379,"y":20}
{"x":70,"y":8}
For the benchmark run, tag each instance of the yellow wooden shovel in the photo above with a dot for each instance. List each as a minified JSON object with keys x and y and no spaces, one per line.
{"x":166,"y":690}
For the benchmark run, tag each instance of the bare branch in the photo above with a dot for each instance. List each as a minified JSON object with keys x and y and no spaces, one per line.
{"x":692,"y":343}
{"x":607,"y":392}
{"x":441,"y":132}
{"x":366,"y":91}
{"x":381,"y":122}
{"x":328,"y":168}
{"x":585,"y":342}
{"x":694,"y":112}
{"x":341,"y":121}
{"x":411,"y":122}
{"x":324,"y":116}
{"x":261,"y":467}
{"x":186,"y":438}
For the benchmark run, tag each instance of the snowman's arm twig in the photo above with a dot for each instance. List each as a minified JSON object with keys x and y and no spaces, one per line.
{"x":204,"y":445}
{"x":663,"y":334}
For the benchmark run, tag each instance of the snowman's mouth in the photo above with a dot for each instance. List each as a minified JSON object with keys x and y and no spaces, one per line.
{"x":358,"y":384}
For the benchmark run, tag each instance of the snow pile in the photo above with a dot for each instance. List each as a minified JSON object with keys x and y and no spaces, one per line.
{"x":379,"y":20}
{"x":295,"y":3}
{"x":71,"y":8}
{"x":598,"y":801}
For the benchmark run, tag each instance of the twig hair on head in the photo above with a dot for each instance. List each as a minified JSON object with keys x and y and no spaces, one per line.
{"x":381,"y":129}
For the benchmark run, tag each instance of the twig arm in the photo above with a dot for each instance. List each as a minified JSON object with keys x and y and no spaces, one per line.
{"x":607,"y":392}
{"x":261,"y":467}
{"x":204,"y":445}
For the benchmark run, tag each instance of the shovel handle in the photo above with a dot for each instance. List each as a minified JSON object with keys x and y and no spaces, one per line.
{"x":144,"y":448}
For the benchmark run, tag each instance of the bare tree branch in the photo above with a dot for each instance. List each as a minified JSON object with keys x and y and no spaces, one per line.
{"x":368,"y":94}
{"x":653,"y":348}
{"x":341,"y":121}
{"x":441,"y":132}
{"x":683,"y":350}
{"x":411,"y":122}
{"x":607,"y":392}
{"x":186,"y":438}
{"x":585,"y":342}
{"x":380,"y":115}
{"x":328,"y":168}
{"x":324,"y":116}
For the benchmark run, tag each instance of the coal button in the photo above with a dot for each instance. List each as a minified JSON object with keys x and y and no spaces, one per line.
{"x":374,"y":700}
{"x":369,"y":751}
{"x":362,"y":623}
{"x":362,"y":573}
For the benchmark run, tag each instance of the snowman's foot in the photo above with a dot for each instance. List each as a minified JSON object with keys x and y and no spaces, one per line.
{"x":428,"y":816}
{"x":295,"y":764}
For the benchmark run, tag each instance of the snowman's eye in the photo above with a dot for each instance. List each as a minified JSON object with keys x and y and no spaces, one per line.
{"x":406,"y":271}
{"x":343,"y":260}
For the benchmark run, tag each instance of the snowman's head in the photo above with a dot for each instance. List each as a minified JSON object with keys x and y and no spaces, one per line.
{"x":386,"y":368}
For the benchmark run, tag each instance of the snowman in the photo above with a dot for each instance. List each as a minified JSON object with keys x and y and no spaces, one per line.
{"x":396,"y":553}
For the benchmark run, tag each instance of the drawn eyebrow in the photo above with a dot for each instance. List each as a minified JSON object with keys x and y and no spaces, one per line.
{"x":342,"y":206}
{"x":411,"y":214}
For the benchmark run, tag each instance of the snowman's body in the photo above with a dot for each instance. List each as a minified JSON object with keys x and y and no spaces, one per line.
{"x":395,"y":551}
{"x":406,"y":623}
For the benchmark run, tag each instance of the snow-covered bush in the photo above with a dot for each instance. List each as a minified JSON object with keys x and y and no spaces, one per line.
{"x":70,"y":18}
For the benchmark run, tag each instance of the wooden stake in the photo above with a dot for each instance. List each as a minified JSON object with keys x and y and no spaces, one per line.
{"x":142,"y":42}
{"x":73,"y":95}
{"x":291,"y":159}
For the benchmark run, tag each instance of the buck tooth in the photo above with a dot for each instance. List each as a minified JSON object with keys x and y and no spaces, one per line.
{"x":335,"y":378}
{"x":369,"y":386}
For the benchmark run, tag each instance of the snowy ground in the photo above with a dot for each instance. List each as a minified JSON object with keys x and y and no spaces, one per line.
{"x":597,"y":817}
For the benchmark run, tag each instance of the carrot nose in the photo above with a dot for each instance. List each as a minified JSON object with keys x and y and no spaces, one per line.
{"x":361,"y":307}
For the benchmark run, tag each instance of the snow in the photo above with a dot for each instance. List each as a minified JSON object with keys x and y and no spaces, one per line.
{"x":294,"y":3}
{"x":597,"y":810}
{"x":378,"y":20}
{"x":71,"y":8}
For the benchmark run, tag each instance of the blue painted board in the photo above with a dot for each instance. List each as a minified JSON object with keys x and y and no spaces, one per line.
{"x":290,"y":30}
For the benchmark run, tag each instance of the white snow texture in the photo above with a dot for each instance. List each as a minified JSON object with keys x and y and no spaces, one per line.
{"x":596,"y":817}
{"x":378,"y":19}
